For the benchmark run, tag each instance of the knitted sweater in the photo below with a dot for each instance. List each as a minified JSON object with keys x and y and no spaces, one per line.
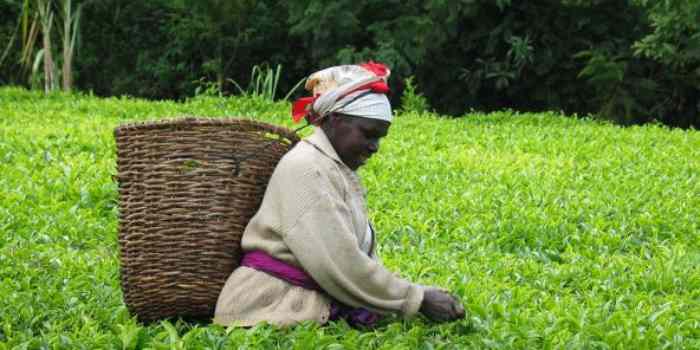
{"x":313,"y":216}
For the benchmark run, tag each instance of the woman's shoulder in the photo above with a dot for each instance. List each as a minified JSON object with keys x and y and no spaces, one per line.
{"x":304,"y":164}
{"x":305,"y":158}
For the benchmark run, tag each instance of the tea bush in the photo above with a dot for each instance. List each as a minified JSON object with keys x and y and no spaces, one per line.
{"x":556,"y":232}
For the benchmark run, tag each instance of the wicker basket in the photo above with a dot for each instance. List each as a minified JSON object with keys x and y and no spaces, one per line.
{"x":187,"y":189}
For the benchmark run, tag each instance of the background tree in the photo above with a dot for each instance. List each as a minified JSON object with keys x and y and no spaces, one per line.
{"x":630,"y":61}
{"x":46,"y":15}
{"x":36,"y":20}
{"x":673,"y":43}
{"x":71,"y":22}
{"x":225,"y":23}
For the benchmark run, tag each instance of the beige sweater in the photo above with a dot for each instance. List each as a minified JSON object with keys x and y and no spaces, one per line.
{"x":313,"y":216}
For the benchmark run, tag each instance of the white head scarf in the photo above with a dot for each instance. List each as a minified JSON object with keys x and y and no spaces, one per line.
{"x":346,"y":89}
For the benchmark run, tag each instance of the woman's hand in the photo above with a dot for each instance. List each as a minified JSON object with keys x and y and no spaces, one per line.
{"x":440,"y":306}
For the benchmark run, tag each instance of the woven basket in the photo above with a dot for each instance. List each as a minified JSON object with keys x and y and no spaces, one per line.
{"x":187,"y":189}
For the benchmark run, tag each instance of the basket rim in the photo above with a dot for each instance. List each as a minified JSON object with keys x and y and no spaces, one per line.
{"x":184,"y":121}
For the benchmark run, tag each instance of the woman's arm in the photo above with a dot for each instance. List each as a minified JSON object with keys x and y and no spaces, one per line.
{"x":324,"y":244}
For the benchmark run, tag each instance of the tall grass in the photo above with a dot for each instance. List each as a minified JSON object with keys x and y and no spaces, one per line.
{"x":556,"y":232}
{"x":264,"y":81}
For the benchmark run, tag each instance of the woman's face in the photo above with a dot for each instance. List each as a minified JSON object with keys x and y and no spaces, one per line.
{"x":355,"y":139}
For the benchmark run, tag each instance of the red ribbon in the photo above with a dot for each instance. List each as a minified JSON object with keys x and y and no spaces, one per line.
{"x":301,"y":107}
{"x":378,"y":69}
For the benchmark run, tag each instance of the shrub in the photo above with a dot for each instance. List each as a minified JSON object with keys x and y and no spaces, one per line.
{"x":411,"y":100}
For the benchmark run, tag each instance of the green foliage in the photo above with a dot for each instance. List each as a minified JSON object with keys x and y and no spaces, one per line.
{"x":607,"y":75}
{"x":411,"y":100}
{"x":675,"y":39}
{"x":207,"y":88}
{"x":225,"y":24}
{"x":628,"y":61}
{"x":10,"y":42}
{"x":263,"y":82}
{"x":556,"y":232}
{"x":674,"y":43}
{"x":652,"y":75}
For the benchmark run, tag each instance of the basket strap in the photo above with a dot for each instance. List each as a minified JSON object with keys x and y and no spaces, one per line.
{"x":238,"y":160}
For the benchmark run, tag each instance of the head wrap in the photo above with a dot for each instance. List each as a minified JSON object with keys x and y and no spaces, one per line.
{"x":357,"y":90}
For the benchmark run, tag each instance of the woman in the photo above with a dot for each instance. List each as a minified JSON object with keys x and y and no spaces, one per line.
{"x":310,"y":252}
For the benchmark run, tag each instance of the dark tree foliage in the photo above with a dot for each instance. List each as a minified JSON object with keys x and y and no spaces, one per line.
{"x":630,"y":61}
{"x":10,"y":43}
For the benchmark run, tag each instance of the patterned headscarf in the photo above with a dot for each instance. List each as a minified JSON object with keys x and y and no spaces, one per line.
{"x":357,"y":90}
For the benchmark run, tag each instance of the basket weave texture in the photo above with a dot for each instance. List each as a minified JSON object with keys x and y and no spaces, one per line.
{"x":187,"y":189}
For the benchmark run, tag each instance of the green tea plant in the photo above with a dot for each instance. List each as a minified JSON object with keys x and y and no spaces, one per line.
{"x":558,"y":233}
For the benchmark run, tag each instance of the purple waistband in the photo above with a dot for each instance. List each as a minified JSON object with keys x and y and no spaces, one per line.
{"x":261,"y":261}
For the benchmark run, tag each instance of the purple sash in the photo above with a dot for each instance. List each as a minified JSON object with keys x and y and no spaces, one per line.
{"x":261,"y":261}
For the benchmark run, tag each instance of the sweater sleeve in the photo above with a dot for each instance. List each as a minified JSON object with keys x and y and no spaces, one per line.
{"x":323,"y":243}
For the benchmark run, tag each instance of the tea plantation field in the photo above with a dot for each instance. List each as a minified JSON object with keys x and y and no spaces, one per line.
{"x":558,"y":233}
